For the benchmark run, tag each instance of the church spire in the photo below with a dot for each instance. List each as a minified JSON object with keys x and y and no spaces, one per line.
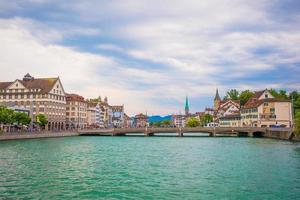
{"x":187,"y":107}
{"x":217,"y":100}
{"x":217,"y":97}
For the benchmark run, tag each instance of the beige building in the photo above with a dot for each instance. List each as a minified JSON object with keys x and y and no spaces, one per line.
{"x":263,"y":110}
{"x":76,"y":111}
{"x":141,"y":120}
{"x":39,"y":95}
{"x":232,"y":120}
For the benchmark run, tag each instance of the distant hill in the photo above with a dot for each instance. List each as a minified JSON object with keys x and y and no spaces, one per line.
{"x":157,"y":118}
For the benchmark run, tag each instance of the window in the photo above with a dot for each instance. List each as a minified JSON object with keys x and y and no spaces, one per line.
{"x":266,"y":104}
{"x":266,"y":96}
{"x":272,"y":110}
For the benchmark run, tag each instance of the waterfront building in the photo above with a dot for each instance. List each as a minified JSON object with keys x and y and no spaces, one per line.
{"x":39,"y":95}
{"x":117,"y":116}
{"x":95,"y":114}
{"x":141,"y":120}
{"x":224,"y":108}
{"x":128,"y":121}
{"x":231,"y":120}
{"x":263,"y":110}
{"x":76,"y":111}
{"x":108,"y":114}
{"x":91,"y":114}
{"x":179,"y":120}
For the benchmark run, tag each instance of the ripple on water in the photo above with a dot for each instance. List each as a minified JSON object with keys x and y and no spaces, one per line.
{"x":149,"y":168}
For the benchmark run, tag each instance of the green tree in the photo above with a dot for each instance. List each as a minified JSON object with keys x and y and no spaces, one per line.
{"x":193,"y":122}
{"x":21,"y":118}
{"x":41,"y":120}
{"x":232,"y":94}
{"x":166,"y":122}
{"x":157,"y":124}
{"x":205,"y":119}
{"x":6,"y":115}
{"x":245,"y":96}
{"x":297,"y":123}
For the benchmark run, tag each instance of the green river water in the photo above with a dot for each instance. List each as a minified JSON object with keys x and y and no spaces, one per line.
{"x":149,"y":168}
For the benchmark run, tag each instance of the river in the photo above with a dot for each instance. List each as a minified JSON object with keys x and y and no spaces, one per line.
{"x":149,"y":168}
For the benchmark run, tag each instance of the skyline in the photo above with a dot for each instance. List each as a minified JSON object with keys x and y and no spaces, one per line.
{"x":149,"y":56}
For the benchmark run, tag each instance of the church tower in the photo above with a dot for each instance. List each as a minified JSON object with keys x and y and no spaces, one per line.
{"x":187,"y":107}
{"x":217,"y":100}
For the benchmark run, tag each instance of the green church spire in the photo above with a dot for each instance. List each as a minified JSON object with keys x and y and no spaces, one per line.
{"x":187,"y":107}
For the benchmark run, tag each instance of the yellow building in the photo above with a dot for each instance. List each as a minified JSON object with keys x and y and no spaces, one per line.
{"x":263,"y":110}
{"x":76,"y":111}
{"x":39,"y":95}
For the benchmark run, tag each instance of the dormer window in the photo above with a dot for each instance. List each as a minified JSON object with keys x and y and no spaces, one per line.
{"x":266,"y":96}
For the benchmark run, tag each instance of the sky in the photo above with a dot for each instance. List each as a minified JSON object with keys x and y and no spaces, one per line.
{"x":150,"y":54}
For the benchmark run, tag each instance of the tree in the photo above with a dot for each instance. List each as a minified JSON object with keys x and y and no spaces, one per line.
{"x":245,"y":96}
{"x":280,"y":95}
{"x":157,"y":124}
{"x":232,"y":94}
{"x":41,"y":120}
{"x":6,"y":115}
{"x":21,"y":118}
{"x":205,"y":119}
{"x":297,"y":123}
{"x":193,"y":122}
{"x":166,"y":122}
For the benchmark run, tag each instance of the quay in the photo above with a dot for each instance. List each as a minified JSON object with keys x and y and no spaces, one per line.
{"x":48,"y":134}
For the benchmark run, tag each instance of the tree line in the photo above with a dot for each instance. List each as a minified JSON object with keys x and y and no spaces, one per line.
{"x":11,"y":117}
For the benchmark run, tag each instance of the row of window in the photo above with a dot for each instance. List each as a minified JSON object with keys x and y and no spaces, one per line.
{"x":250,"y":110}
{"x":32,"y":96}
{"x":19,"y":90}
{"x":250,"y":117}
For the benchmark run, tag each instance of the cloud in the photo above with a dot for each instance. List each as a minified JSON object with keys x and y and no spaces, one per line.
{"x":150,"y":54}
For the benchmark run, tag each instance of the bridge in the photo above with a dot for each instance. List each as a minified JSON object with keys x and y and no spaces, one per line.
{"x":283,"y":133}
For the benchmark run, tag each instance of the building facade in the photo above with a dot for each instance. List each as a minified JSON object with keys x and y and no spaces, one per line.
{"x":40,"y":96}
{"x":141,"y":120}
{"x":76,"y":111}
{"x":179,"y":120}
{"x":233,"y":120}
{"x":95,"y":115}
{"x":263,"y":110}
{"x":117,"y":116}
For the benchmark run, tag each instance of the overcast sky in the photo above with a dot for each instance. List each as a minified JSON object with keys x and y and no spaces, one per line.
{"x":149,"y":54}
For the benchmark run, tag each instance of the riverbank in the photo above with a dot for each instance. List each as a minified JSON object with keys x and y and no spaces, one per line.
{"x":21,"y":136}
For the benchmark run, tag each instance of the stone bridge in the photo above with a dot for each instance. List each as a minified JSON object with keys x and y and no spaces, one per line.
{"x":149,"y":131}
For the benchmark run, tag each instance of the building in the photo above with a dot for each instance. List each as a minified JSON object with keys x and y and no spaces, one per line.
{"x":76,"y":111}
{"x":91,"y":114}
{"x":141,"y":120}
{"x":179,"y":120}
{"x":95,"y":114}
{"x":108,"y":114}
{"x":117,"y":116}
{"x":231,"y":120}
{"x":128,"y":121}
{"x":263,"y":110}
{"x":224,"y":108}
{"x":39,"y":95}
